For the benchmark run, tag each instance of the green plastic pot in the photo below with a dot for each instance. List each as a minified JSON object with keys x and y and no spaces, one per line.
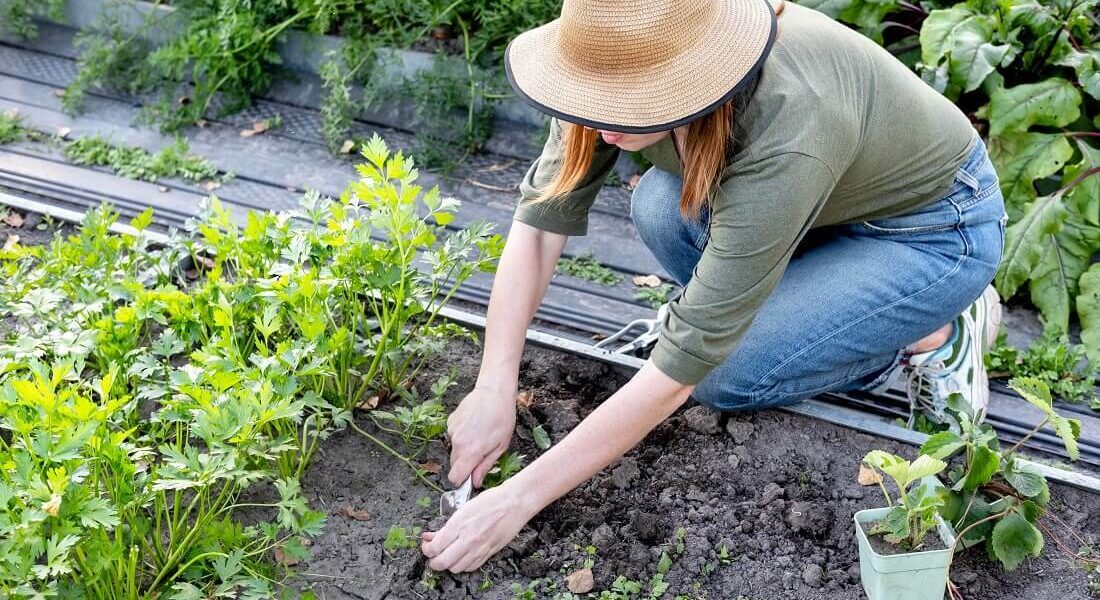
{"x":912,"y":576}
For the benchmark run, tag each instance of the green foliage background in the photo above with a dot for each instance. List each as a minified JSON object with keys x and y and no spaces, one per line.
{"x":1028,"y":74}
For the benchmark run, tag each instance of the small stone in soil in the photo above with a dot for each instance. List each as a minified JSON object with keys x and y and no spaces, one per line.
{"x":625,"y":473}
{"x":734,"y":461}
{"x":740,"y":431}
{"x":702,"y":420}
{"x":580,"y":581}
{"x":771,"y":492}
{"x":645,"y":525}
{"x":809,"y":519}
{"x":812,"y":575}
{"x":603,"y":538}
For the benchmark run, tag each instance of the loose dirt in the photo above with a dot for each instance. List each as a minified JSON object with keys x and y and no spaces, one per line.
{"x":777,"y":491}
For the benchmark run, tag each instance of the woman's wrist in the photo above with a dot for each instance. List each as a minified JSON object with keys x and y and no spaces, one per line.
{"x":504,"y":389}
{"x":524,"y":497}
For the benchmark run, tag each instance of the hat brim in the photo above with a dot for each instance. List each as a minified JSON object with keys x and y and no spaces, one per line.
{"x":698,"y":81}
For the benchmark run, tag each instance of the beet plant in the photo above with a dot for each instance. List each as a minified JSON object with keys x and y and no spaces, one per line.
{"x":914,"y":514}
{"x":993,"y":495}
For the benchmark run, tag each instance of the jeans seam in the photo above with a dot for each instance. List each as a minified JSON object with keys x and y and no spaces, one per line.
{"x":821,"y":340}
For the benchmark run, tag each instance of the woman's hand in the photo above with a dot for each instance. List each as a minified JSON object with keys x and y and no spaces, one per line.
{"x":480,"y":430}
{"x":477,"y":531}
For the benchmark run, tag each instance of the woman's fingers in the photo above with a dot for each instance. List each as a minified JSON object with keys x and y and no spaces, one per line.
{"x":486,"y":465}
{"x":450,"y":556}
{"x":462,"y":465}
{"x":433,"y":543}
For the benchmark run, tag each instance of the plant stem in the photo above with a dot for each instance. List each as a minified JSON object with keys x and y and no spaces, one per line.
{"x":398,"y":456}
{"x":1031,"y":433}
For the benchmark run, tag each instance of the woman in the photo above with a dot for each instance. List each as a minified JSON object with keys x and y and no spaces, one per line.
{"x":834,"y":222}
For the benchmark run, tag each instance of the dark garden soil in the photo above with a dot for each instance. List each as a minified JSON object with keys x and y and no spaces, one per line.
{"x":32,"y":229}
{"x":778,"y":491}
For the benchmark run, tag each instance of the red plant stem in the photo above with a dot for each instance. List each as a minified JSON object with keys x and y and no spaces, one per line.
{"x":913,"y":7}
{"x":1079,"y":179}
{"x":1083,"y":134}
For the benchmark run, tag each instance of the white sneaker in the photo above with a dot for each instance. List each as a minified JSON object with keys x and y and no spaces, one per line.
{"x":957,"y":367}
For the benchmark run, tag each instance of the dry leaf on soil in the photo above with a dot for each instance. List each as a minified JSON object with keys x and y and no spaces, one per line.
{"x":368,"y":404}
{"x":283,"y":559}
{"x":580,"y":581}
{"x":647,"y":281}
{"x":431,"y":467}
{"x":868,"y":476}
{"x":525,"y":398}
{"x":11,"y":242}
{"x":347,"y":147}
{"x":14,"y":219}
{"x":355,"y":513}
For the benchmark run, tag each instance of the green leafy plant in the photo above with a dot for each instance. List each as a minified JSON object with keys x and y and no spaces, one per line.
{"x":1052,"y":359}
{"x":401,"y":538}
{"x":17,"y":16}
{"x":914,"y":515}
{"x":993,"y":495}
{"x":586,"y":267}
{"x":172,"y":161}
{"x":145,"y":387}
{"x":654,"y":296}
{"x":507,"y":465}
{"x":11,"y":127}
{"x":1027,"y":74}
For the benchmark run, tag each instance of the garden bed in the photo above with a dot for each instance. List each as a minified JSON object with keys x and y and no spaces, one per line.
{"x":777,"y":491}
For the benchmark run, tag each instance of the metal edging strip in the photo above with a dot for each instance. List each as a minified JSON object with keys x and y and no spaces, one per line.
{"x":813,"y":408}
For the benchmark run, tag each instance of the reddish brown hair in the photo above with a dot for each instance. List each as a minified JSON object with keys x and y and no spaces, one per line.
{"x":704,"y":156}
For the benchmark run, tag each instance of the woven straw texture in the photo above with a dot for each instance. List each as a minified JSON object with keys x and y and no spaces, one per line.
{"x":639,"y":63}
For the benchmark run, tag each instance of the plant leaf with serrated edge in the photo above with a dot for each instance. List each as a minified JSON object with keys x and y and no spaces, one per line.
{"x":942,"y":445}
{"x":924,"y":466}
{"x":1088,"y":310}
{"x":982,"y":465}
{"x":1022,"y":158}
{"x":1014,"y":539}
{"x":1054,"y":102}
{"x":1025,"y":478}
{"x":1023,"y":241}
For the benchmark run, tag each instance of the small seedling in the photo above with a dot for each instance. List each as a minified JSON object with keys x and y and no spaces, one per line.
{"x":424,"y":502}
{"x":485,"y":584}
{"x":401,"y":538}
{"x":530,"y":592}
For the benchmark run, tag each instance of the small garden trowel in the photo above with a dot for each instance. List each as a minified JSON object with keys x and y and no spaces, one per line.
{"x":452,"y":500}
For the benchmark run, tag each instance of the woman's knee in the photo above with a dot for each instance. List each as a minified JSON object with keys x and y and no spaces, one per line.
{"x":654,"y":205}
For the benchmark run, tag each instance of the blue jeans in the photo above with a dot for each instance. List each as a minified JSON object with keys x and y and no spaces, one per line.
{"x":853,"y":297}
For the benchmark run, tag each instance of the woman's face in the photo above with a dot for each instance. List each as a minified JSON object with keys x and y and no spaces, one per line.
{"x":632,"y":141}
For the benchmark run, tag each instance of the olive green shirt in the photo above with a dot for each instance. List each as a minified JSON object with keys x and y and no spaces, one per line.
{"x":836,"y":131}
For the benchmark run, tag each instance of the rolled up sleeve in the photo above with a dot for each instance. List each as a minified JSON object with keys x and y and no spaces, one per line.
{"x":567,"y":214}
{"x":760,"y":215}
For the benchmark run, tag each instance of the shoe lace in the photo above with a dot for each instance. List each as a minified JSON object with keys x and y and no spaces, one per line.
{"x":920,"y":391}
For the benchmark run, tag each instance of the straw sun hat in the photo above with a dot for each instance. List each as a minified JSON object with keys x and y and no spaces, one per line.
{"x":639,"y":66}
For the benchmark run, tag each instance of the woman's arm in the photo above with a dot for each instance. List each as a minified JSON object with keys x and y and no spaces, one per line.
{"x":481,"y":427}
{"x":484,"y":525}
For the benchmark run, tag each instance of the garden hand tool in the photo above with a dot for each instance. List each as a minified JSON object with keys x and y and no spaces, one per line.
{"x":646,"y":338}
{"x":452,"y":500}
